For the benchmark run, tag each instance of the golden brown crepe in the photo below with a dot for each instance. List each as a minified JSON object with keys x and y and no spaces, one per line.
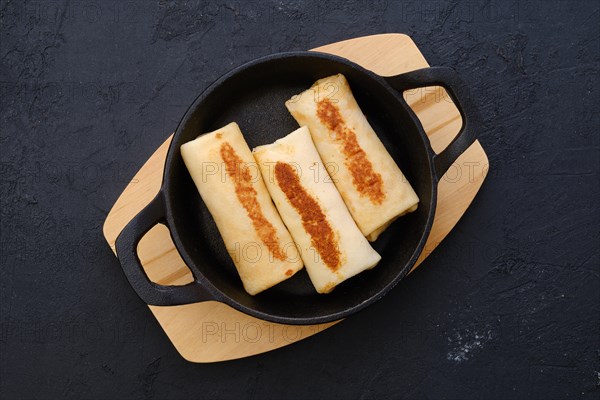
{"x":331,"y":245}
{"x":371,"y":184}
{"x":231,"y":186}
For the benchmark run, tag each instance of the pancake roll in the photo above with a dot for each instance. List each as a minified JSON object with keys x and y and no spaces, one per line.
{"x":372,"y":185}
{"x":331,"y":245}
{"x":230,"y":184}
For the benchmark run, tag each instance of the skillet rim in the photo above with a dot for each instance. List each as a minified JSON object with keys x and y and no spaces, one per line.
{"x":206,"y":283}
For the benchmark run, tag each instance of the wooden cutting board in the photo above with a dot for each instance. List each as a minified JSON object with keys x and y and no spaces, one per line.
{"x":212,"y":331}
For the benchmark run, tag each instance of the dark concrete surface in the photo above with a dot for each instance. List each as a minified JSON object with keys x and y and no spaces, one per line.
{"x":507,"y":307}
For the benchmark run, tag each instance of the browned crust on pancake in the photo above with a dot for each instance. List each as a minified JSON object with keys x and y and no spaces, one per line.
{"x":323,"y":238}
{"x":248,"y":196}
{"x":364,"y":178}
{"x":329,"y":287}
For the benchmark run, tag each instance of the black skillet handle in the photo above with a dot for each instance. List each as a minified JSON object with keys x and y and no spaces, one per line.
{"x":458,"y":91}
{"x":150,"y":292}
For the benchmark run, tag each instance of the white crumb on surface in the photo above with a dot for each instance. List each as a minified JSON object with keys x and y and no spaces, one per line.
{"x":462,"y":346}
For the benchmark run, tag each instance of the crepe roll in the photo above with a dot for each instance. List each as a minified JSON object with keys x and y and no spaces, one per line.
{"x":371,"y":184}
{"x":331,"y":245}
{"x":230,"y":184}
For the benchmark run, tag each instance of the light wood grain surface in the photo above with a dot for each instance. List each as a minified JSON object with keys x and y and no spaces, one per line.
{"x":211,"y":331}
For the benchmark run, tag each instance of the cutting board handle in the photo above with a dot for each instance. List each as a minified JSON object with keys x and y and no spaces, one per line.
{"x":447,"y":78}
{"x":150,"y":292}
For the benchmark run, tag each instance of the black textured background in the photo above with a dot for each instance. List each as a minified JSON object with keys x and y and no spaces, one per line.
{"x":507,"y":306}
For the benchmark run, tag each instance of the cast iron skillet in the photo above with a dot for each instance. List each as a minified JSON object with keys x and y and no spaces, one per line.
{"x":253,"y":95}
